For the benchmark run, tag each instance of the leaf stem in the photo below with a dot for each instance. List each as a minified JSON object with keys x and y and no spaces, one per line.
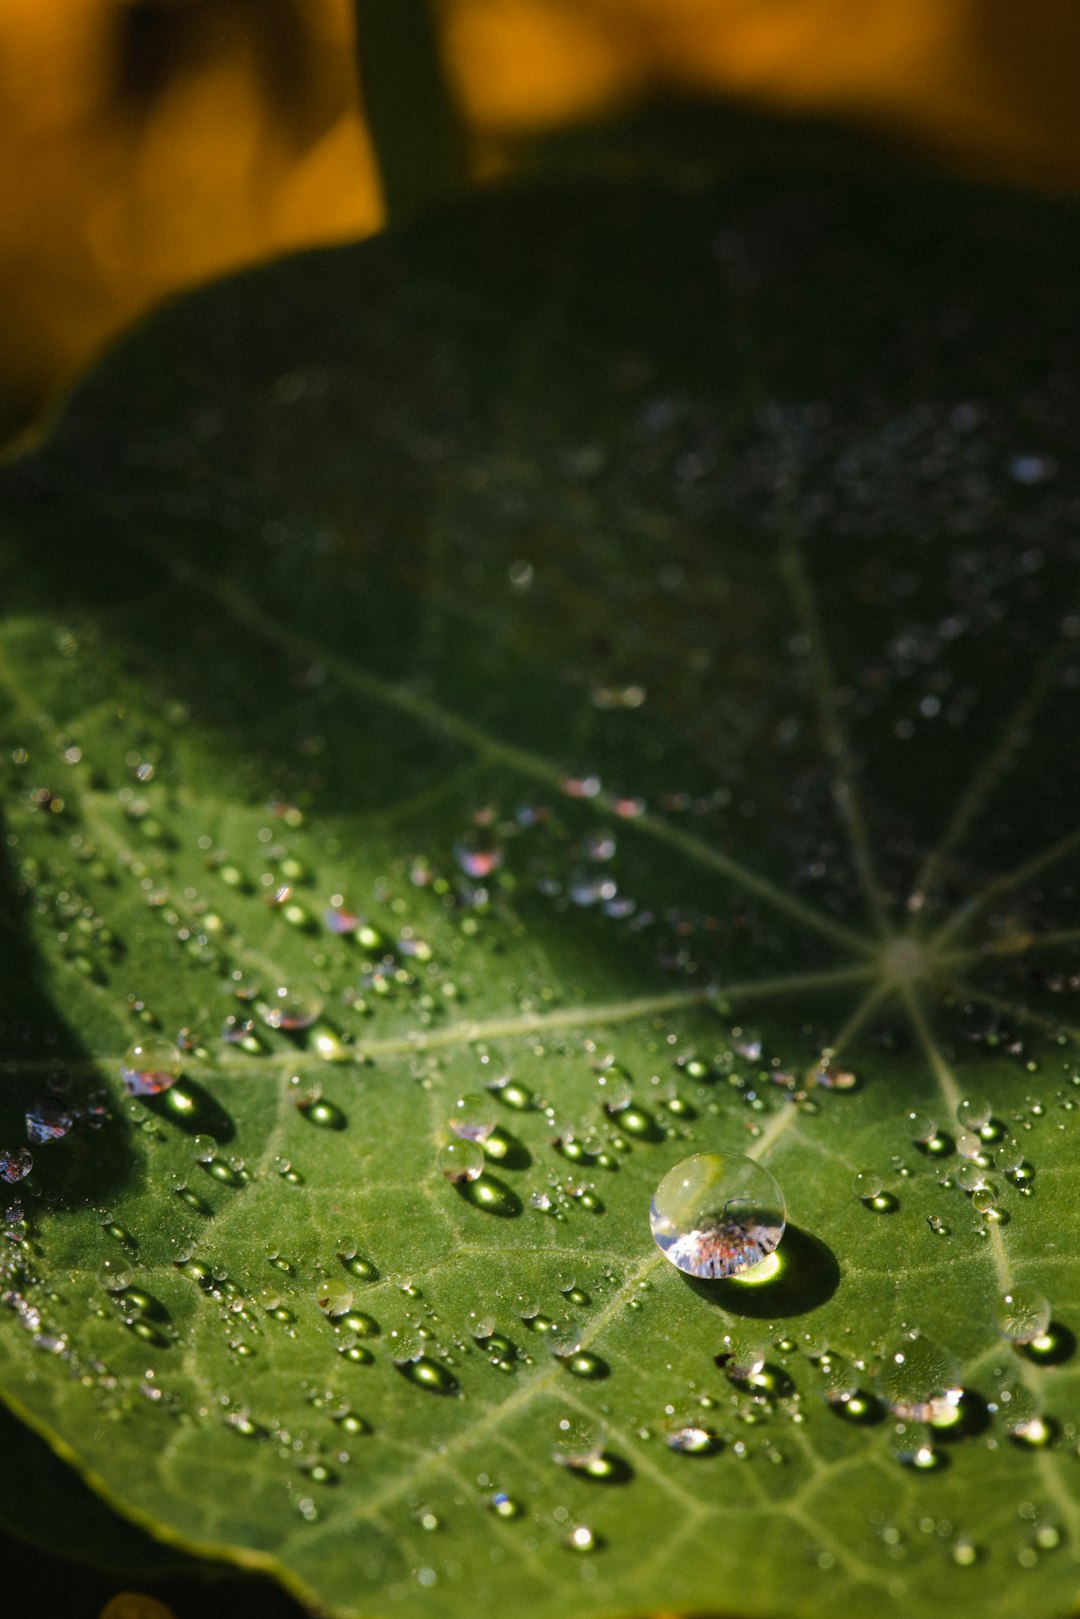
{"x":409,"y":105}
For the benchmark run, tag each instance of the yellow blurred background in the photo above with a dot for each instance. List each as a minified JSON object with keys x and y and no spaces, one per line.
{"x":148,"y":144}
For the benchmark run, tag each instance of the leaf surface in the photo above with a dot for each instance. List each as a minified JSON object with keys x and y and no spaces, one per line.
{"x":590,"y":641}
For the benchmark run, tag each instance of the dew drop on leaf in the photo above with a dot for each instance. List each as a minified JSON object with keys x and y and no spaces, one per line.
{"x":472,"y":1118}
{"x":505,"y":1506}
{"x":334,"y":1296}
{"x":717,"y":1214}
{"x":461,"y":1161}
{"x":1023,"y":1316}
{"x":579,"y":1442}
{"x":150,"y":1066}
{"x":15,"y":1166}
{"x":690,"y":1437}
{"x":921,"y":1381}
{"x":973,"y":1113}
{"x":290,"y":1010}
{"x":114,"y":1275}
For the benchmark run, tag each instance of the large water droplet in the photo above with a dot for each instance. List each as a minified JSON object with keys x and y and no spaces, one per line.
{"x":717,"y":1214}
{"x":151,"y":1066}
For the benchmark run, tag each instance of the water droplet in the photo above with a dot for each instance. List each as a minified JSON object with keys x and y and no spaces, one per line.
{"x":1033,"y":1431}
{"x":334,"y":1296}
{"x":921,"y":1455}
{"x":1023,"y":1315}
{"x":15,"y":1166}
{"x":922,"y":1383}
{"x":616,"y":1091}
{"x":579,"y":1443}
{"x":114,"y":1275}
{"x":1009,"y":1157}
{"x":973,"y":1113}
{"x":582,"y":1539}
{"x":922,"y":1128}
{"x":46,"y":1122}
{"x":717,"y":1214}
{"x":462,"y":1161}
{"x":689,"y":1437}
{"x":505,"y":1506}
{"x":965,"y":1553}
{"x":291,"y":1011}
{"x":866,"y":1186}
{"x":151,"y":1066}
{"x":473,"y":1118}
{"x":203,"y":1149}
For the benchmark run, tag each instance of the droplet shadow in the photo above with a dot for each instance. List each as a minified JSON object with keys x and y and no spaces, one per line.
{"x":190,"y":1107}
{"x":491,"y":1195}
{"x":506,"y":1150}
{"x":807,"y":1276}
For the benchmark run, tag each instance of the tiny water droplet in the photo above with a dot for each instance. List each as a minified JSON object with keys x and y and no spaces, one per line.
{"x":922,"y":1128}
{"x":151,"y":1065}
{"x":505,"y":1506}
{"x":717,"y":1214}
{"x":866,"y":1186}
{"x":690,"y":1437}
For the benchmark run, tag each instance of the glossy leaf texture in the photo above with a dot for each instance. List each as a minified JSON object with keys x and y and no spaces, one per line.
{"x":613,"y":656}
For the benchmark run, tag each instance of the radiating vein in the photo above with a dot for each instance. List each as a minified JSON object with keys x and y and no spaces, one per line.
{"x":965,"y":914}
{"x":994,"y":767}
{"x":443,"y":721}
{"x":1013,"y":1009}
{"x":946,"y":1079}
{"x":574,"y":1017}
{"x":845,"y":787}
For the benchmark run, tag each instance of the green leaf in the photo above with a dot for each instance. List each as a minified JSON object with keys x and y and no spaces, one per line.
{"x":655,"y":617}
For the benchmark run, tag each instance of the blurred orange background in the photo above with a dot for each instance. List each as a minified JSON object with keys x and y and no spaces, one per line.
{"x":148,"y":144}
